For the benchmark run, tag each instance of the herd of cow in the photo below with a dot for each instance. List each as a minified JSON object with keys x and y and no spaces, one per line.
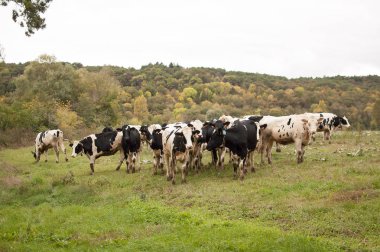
{"x":184,"y":143}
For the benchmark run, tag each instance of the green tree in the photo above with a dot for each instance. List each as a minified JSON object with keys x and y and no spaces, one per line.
{"x":28,"y":13}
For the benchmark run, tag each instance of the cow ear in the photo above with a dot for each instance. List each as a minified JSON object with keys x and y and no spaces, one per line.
{"x":226,"y":124}
{"x":190,"y":125}
{"x":196,"y":132}
{"x":118,"y":129}
{"x":263,"y":126}
{"x":71,"y":144}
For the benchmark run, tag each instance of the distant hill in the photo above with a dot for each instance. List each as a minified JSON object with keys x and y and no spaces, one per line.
{"x":48,"y":94}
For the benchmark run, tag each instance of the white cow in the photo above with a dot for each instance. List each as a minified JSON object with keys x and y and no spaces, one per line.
{"x":331,"y":122}
{"x":46,"y":140}
{"x":176,"y":148}
{"x":284,"y":130}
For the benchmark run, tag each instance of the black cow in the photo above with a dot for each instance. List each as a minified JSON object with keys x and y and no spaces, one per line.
{"x":131,"y":144}
{"x":107,"y":143}
{"x":241,"y":139}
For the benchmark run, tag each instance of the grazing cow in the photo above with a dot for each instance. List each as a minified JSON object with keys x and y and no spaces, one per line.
{"x":46,"y":140}
{"x":176,"y":147}
{"x":131,"y":144}
{"x":97,"y":145}
{"x":285,"y":130}
{"x":241,"y":139}
{"x":330,"y":123}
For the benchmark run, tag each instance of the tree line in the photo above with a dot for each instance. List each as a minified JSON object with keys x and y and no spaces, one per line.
{"x":45,"y":94}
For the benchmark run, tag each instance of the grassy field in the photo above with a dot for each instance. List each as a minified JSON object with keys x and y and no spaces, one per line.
{"x":331,"y":202}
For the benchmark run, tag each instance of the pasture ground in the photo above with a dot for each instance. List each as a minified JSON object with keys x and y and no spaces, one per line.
{"x":331,"y":202}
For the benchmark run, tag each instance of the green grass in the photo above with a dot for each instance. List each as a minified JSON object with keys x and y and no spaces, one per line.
{"x":331,"y":202}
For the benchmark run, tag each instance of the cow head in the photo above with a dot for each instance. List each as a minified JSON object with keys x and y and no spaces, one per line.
{"x":187,"y":133}
{"x":145,"y":134}
{"x":217,"y":137}
{"x":156,"y":143}
{"x":345,"y":122}
{"x":77,"y":148}
{"x":36,"y":154}
{"x":107,"y":129}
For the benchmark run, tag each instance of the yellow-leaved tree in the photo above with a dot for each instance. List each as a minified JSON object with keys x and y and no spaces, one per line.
{"x":140,"y":108}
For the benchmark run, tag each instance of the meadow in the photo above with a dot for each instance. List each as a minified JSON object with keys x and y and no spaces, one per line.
{"x":331,"y":202}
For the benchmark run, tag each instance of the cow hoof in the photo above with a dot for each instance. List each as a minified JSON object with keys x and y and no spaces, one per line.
{"x":253,"y":169}
{"x":128,"y":171}
{"x":183,"y":181}
{"x":117,"y":168}
{"x":91,"y":173}
{"x":278,"y":150}
{"x":45,"y":161}
{"x":173,"y":182}
{"x":155,"y":173}
{"x":241,"y":178}
{"x":67,"y":160}
{"x":57,"y":162}
{"x":245,"y":171}
{"x":168,"y":178}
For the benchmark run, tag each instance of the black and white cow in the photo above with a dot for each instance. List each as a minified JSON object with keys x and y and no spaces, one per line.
{"x":284,"y":130}
{"x":131,"y":144}
{"x":241,"y":139}
{"x":46,"y":140}
{"x":177,"y":144}
{"x":153,"y":135}
{"x":331,"y":123}
{"x":97,"y":145}
{"x":207,"y":130}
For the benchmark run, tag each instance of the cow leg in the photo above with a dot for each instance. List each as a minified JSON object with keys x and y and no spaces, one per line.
{"x":184,"y":167}
{"x":134,"y":159}
{"x":63,"y":149}
{"x":269,"y":152}
{"x":121,"y":160}
{"x":172,"y":170}
{"x":46,"y":155}
{"x":92,"y":165}
{"x":214,"y":157}
{"x":298,"y":145}
{"x":155,"y":163}
{"x":222,"y":152}
{"x":56,"y":154}
{"x":241,"y":167}
{"x":128,"y":162}
{"x":252,"y":161}
{"x":168,"y":164}
{"x":278,"y":148}
{"x":138,"y":159}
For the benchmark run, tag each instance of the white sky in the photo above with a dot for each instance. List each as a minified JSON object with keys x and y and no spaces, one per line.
{"x":290,"y":38}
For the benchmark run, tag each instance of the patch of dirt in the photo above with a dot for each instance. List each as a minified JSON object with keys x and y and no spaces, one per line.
{"x":11,"y":182}
{"x":8,"y":168}
{"x":355,"y":195}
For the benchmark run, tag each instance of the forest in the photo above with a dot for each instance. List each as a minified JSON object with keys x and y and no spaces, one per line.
{"x":46,"y":94}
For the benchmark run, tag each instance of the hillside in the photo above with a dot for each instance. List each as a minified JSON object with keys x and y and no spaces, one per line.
{"x":49,"y":94}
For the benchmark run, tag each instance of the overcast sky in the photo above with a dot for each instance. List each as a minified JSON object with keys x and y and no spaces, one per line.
{"x":289,"y":38}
